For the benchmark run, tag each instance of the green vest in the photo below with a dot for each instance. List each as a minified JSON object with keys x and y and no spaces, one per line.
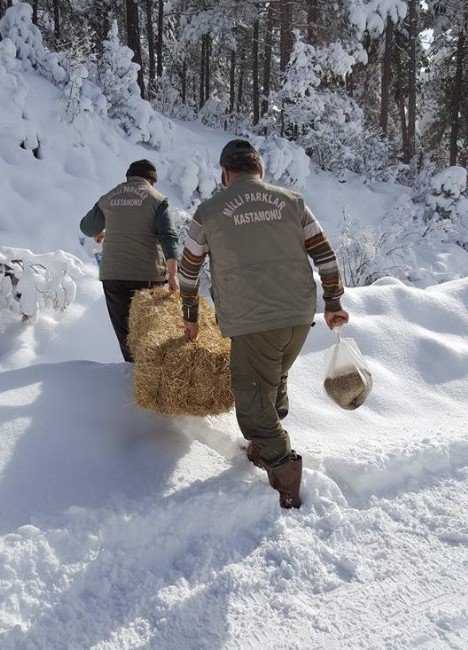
{"x":261,"y":275}
{"x":131,"y":249}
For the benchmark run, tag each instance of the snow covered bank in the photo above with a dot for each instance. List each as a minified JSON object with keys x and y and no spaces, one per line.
{"x":140,"y":531}
{"x":125,"y":530}
{"x":52,"y":172}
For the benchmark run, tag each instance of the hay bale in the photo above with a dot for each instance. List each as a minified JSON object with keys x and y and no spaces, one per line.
{"x":171,"y":375}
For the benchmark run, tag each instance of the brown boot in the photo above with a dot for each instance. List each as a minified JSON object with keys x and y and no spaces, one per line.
{"x":253,"y":454}
{"x":286,"y":479}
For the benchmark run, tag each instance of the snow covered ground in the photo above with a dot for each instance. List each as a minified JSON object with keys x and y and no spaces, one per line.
{"x":121,"y":529}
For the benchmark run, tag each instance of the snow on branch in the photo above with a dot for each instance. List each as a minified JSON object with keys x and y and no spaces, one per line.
{"x":30,"y":282}
{"x":448,"y":203}
{"x":372,"y":16}
{"x":284,"y":161}
{"x":372,"y":252}
{"x":17,"y":26}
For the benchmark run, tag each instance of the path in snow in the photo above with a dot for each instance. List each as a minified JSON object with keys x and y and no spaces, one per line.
{"x":122,"y":529}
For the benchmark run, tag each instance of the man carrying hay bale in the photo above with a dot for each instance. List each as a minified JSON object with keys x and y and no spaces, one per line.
{"x":259,"y":237}
{"x":139,"y":243}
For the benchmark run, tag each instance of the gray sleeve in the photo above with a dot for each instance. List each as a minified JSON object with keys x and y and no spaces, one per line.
{"x":94,"y":222}
{"x":166,"y":231}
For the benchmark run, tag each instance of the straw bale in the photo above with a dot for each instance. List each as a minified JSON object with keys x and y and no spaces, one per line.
{"x":171,"y":375}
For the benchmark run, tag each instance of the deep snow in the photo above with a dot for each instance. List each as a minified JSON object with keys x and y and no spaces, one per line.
{"x":121,"y":529}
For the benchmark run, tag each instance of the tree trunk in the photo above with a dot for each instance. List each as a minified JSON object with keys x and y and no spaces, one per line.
{"x":371,"y":70}
{"x":151,"y":50}
{"x":240,"y":88}
{"x":207,"y":66}
{"x":456,"y":99}
{"x":105,"y":27}
{"x":350,"y":83}
{"x":386,"y":77}
{"x":134,"y":39}
{"x":286,"y":47}
{"x":400,"y":102}
{"x":312,"y":22}
{"x":183,"y":82}
{"x":57,"y":28}
{"x":201,"y":99}
{"x":463,"y":151}
{"x":160,"y":43}
{"x":35,"y":11}
{"x":286,"y":34}
{"x":267,"y":60}
{"x":412,"y":75}
{"x":232,"y":82}
{"x":255,"y":80}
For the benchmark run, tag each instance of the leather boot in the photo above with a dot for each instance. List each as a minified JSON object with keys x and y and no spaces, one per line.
{"x":253,"y":455}
{"x":286,"y":478}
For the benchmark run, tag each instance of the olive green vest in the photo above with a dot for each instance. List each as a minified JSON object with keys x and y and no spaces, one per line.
{"x":261,"y":275}
{"x":131,"y":249}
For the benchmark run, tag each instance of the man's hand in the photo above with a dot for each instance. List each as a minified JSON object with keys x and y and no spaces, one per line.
{"x":172,"y":275}
{"x":99,"y":238}
{"x":336,"y":318}
{"x":191,"y":330}
{"x":173,"y":283}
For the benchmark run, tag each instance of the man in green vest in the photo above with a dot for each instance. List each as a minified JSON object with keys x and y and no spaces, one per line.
{"x":259,"y":238}
{"x":139,"y":243}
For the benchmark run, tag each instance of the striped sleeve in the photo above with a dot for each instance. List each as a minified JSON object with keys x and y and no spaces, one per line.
{"x":320,"y":250}
{"x":193,"y":256}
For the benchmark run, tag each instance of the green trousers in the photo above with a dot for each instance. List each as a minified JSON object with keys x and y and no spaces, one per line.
{"x":259,"y":370}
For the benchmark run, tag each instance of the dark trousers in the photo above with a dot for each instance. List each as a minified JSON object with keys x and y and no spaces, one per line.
{"x":119,"y":294}
{"x":260,"y":363}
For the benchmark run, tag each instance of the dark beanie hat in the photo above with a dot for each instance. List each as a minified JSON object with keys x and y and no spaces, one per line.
{"x":143,"y":168}
{"x":234,"y":148}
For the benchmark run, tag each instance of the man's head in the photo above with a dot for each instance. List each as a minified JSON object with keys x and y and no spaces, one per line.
{"x":240,"y":158}
{"x":143,"y":168}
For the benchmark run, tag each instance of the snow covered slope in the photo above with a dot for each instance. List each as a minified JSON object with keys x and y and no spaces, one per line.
{"x":44,"y":197}
{"x":120,"y":529}
{"x":127,"y":530}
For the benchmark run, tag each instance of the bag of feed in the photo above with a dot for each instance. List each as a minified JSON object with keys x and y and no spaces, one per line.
{"x":348,"y":381}
{"x":171,"y":375}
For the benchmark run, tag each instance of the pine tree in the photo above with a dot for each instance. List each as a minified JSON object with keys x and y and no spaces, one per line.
{"x":118,"y":78}
{"x":231,"y":63}
{"x":17,"y":25}
{"x":134,"y":39}
{"x":446,"y":83}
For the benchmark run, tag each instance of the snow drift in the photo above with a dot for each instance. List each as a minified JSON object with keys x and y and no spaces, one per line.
{"x":126,"y":530}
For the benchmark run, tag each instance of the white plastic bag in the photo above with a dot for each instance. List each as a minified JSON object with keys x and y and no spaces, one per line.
{"x":348,"y":381}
